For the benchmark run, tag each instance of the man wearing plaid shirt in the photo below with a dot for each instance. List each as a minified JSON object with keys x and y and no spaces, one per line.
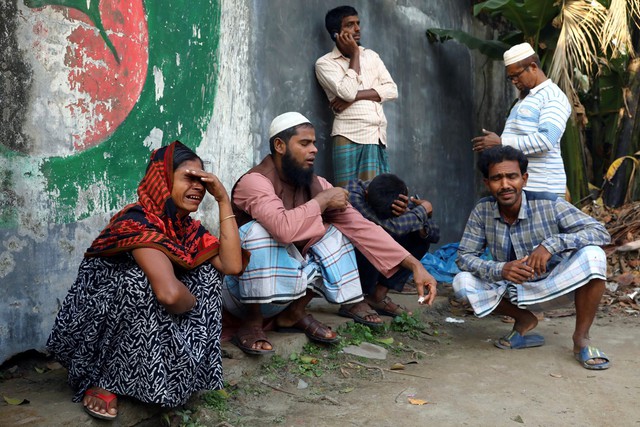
{"x":384,"y":201}
{"x":542,"y":248}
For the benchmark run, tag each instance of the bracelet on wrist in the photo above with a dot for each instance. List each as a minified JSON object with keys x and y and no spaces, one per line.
{"x":226,"y":218}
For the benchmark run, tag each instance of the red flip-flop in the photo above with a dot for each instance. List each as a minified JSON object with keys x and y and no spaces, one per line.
{"x":107,"y":399}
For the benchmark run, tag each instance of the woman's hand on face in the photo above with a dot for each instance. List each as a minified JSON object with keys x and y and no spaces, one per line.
{"x":211,"y":183}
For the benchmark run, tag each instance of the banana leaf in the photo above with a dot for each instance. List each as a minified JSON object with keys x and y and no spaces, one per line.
{"x":574,"y":162}
{"x":491,"y":48}
{"x":529,"y":16}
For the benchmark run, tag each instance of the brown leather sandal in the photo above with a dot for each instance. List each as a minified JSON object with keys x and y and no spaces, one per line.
{"x":314,"y":329}
{"x":247,"y":336}
{"x":387,"y":307}
{"x":360,"y":316}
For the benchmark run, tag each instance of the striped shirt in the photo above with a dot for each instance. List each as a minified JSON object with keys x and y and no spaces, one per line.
{"x":544,"y":219}
{"x":535,"y":126}
{"x":363,"y":122}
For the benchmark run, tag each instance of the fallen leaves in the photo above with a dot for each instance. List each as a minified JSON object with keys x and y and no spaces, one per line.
{"x":623,"y":256}
{"x":15,"y":400}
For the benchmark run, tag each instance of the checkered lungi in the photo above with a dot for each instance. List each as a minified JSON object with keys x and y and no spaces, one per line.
{"x":278,"y":274}
{"x":571,"y":273}
{"x":357,"y":161}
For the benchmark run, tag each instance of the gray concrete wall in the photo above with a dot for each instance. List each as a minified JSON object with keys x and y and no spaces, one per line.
{"x":432,"y":121}
{"x":213,"y":76}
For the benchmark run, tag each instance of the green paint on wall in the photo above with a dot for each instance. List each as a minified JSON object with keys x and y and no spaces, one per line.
{"x":8,"y":198}
{"x":187,"y":29}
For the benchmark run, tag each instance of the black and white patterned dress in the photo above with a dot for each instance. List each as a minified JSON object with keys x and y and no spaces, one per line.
{"x":112,"y":332}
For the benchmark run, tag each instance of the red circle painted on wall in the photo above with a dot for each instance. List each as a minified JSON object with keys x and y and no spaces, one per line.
{"x":106,"y":56}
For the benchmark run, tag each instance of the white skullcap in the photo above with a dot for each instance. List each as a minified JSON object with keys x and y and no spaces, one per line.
{"x":518,"y":53}
{"x":286,"y":121}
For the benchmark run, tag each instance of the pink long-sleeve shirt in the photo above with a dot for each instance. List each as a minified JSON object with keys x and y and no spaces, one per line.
{"x":255,"y":194}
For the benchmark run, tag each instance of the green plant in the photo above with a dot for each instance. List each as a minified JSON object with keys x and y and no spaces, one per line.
{"x":408,"y":324}
{"x":216,"y":400}
{"x":355,"y":333}
{"x":312,"y":349}
{"x":185,"y":418}
{"x":274,"y":365}
{"x":307,"y":365}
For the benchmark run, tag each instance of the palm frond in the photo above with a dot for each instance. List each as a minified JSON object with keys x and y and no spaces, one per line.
{"x":580,"y":21}
{"x":615,"y":36}
{"x":634,"y":11}
{"x":559,"y":71}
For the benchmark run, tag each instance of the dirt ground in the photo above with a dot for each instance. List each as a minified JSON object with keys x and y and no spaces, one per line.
{"x":461,"y":378}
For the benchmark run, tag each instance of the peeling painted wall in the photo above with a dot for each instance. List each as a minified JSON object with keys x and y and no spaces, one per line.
{"x":88,"y":89}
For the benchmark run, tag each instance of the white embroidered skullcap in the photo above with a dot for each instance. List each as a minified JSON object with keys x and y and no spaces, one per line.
{"x":285,"y":121}
{"x":518,"y":53}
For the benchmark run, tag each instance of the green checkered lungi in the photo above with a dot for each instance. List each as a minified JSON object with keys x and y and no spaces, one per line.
{"x":357,"y":161}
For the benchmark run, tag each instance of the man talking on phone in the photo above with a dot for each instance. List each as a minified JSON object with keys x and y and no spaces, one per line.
{"x":356,"y":83}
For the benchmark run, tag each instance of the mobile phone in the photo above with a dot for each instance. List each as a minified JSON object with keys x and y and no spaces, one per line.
{"x":335,"y":36}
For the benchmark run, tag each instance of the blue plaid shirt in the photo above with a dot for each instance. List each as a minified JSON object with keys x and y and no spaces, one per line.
{"x":414,"y":219}
{"x":544,"y":219}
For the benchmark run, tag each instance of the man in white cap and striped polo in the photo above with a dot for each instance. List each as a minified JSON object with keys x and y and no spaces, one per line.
{"x":536,"y":122}
{"x":300,"y":231}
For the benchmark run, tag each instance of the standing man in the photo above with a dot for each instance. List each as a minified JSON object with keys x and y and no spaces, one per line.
{"x":356,"y":83}
{"x":542,"y":248}
{"x":536,"y":122}
{"x":301,"y":231}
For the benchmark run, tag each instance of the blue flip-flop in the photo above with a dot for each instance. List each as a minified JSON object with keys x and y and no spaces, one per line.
{"x":589,"y":353}
{"x":517,"y":341}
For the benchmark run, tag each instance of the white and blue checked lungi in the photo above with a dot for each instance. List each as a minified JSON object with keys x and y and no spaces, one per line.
{"x":278,"y":274}
{"x":571,"y":273}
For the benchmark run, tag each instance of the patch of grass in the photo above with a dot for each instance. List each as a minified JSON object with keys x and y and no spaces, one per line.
{"x":313,"y":349}
{"x":185,"y":419}
{"x":307,"y":365}
{"x":216,"y":400}
{"x":280,"y":419}
{"x":355,"y":333}
{"x":406,"y":324}
{"x":274,"y":366}
{"x":275,"y":363}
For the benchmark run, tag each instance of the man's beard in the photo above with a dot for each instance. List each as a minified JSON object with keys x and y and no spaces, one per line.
{"x":294,"y":173}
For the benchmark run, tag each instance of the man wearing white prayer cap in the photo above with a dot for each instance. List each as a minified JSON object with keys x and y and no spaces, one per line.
{"x":301,"y":231}
{"x":536,"y":122}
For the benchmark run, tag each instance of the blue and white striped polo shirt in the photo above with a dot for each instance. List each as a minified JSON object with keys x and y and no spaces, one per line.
{"x":535,"y":126}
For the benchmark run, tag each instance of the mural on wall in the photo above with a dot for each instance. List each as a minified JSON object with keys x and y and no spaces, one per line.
{"x":91,"y":86}
{"x":101,"y":85}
